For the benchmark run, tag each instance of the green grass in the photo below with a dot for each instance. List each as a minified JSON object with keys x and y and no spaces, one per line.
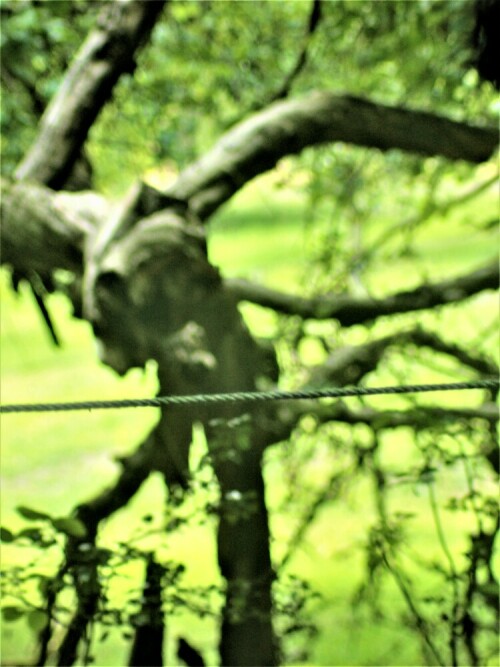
{"x":53,"y":461}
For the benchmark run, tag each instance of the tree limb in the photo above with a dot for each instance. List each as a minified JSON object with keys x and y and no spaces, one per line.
{"x":313,"y":22}
{"x":56,"y":158}
{"x":431,"y":208}
{"x":42,"y":230}
{"x":136,"y":469}
{"x":109,"y":51}
{"x":350,"y":310}
{"x":480,"y":364}
{"x":421,"y":418}
{"x":285,"y":128}
{"x":349,"y":364}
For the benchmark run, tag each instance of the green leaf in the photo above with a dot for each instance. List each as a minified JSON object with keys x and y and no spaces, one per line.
{"x":31,"y":514}
{"x":32,"y":534}
{"x":10,"y":614}
{"x":70,"y":526}
{"x":6,"y":535}
{"x":37,"y":620}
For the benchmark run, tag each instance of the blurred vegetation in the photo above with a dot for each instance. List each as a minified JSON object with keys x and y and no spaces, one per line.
{"x":318,"y":223}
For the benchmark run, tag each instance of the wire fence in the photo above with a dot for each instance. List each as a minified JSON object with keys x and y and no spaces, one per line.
{"x":249,"y":396}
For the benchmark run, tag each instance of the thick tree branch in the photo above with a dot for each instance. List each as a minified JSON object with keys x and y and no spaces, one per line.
{"x":349,"y":364}
{"x":349,"y":310}
{"x":42,"y":230}
{"x":429,"y":339}
{"x":285,"y":128}
{"x":56,"y":157}
{"x":424,"y":417}
{"x":108,"y":52}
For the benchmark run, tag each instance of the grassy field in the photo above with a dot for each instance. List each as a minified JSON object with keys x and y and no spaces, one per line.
{"x":53,"y":461}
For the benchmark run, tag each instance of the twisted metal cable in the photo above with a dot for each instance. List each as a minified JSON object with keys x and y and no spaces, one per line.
{"x":248,"y":396}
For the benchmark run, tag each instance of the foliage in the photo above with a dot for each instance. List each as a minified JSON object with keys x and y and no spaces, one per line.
{"x":370,"y":219}
{"x":37,"y":43}
{"x":154,"y":117}
{"x":39,"y":591}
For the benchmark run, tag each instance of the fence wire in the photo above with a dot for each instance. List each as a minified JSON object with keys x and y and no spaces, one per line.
{"x":249,"y":396}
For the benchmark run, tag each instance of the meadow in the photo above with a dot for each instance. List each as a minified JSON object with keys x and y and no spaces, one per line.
{"x":51,"y":462}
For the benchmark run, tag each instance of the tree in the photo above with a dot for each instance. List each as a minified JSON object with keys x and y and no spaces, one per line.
{"x":141,"y":275}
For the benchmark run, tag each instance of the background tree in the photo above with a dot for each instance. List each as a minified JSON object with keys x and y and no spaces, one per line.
{"x":150,"y":84}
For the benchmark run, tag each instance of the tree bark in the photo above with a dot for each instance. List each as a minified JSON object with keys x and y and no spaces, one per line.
{"x":138,"y":273}
{"x":285,"y":128}
{"x":43,"y":230}
{"x":350,"y":310}
{"x":147,"y":647}
{"x":109,"y":51}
